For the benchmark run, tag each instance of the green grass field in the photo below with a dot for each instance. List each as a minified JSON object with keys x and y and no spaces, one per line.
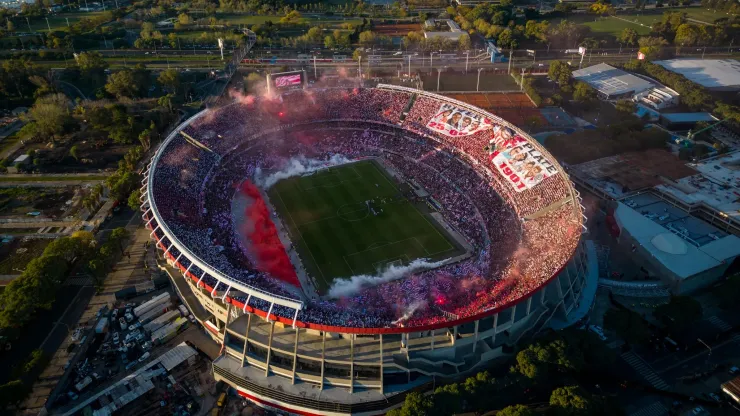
{"x":57,"y":22}
{"x":337,"y":235}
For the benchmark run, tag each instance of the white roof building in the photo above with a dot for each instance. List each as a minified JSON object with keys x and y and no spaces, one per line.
{"x":444,"y":28}
{"x":612,"y":83}
{"x":686,"y":252}
{"x":716,"y":74}
{"x":715,"y":189}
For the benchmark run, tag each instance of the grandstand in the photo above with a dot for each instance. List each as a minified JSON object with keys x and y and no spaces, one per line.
{"x":360,"y":344}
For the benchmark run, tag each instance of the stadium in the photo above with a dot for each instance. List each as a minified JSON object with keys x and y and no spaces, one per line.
{"x":349,"y":245}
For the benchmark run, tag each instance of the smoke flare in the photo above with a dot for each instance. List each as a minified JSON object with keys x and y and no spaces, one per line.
{"x":298,"y":166}
{"x":350,"y":286}
{"x":265,"y":243}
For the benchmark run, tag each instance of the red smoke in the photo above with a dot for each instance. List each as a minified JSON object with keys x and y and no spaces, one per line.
{"x":266,"y":245}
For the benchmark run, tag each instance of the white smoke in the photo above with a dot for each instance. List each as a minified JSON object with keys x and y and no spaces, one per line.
{"x":348,"y":287}
{"x":297,"y":166}
{"x":409,"y":312}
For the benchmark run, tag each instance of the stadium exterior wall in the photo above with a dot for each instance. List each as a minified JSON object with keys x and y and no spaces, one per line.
{"x":261,"y":350}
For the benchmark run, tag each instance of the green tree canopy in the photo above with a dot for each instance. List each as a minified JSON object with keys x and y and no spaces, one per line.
{"x":50,"y":114}
{"x":570,"y":401}
{"x":122,"y":84}
{"x":416,"y":404}
{"x":516,"y":410}
{"x":170,"y":79}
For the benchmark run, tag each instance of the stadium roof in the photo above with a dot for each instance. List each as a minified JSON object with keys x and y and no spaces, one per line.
{"x":717,"y":185}
{"x":685,"y":245}
{"x":611,"y":81}
{"x":723,"y":74}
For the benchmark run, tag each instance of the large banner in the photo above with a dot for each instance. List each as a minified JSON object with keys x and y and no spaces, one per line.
{"x":517,"y":160}
{"x":451,"y":120}
{"x":288,"y":80}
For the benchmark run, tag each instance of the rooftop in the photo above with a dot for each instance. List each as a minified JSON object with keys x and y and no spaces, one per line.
{"x":688,"y":117}
{"x":622,"y":174}
{"x":717,"y":185}
{"x":611,"y":81}
{"x":684,"y":244}
{"x":710,"y":73}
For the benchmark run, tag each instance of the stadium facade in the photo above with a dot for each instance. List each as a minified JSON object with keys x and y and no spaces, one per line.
{"x":277,"y":355}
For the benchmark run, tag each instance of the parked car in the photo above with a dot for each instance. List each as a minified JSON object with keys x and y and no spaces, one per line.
{"x":734,"y":370}
{"x":116,"y":338}
{"x":122,"y":322}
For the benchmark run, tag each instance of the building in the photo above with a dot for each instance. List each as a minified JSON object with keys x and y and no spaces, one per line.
{"x":289,"y":363}
{"x":685,"y":121}
{"x":20,"y":161}
{"x":686,"y":252}
{"x":612,"y":83}
{"x":442,"y":28}
{"x":713,"y":194}
{"x":657,"y":98}
{"x":713,"y":74}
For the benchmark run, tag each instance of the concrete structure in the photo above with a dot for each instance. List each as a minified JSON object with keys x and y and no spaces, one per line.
{"x":686,"y":252}
{"x":612,"y":83}
{"x":22,"y":160}
{"x":315,"y":368}
{"x":443,"y":28}
{"x":714,"y":74}
{"x":657,"y":98}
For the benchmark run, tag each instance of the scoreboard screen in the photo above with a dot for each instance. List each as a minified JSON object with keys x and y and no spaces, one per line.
{"x":287,"y":80}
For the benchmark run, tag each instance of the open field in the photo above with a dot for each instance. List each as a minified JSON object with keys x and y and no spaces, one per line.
{"x":15,"y":255}
{"x":397,"y":30}
{"x":57,"y":22}
{"x":514,"y":107}
{"x":456,"y":81}
{"x":331,"y":221}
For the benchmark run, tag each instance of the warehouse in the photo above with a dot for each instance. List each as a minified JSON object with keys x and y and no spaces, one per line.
{"x":612,"y":83}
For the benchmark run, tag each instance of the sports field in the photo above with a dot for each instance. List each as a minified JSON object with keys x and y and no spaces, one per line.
{"x":330,"y":218}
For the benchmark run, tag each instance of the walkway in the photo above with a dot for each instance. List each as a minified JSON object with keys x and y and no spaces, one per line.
{"x":644,"y":370}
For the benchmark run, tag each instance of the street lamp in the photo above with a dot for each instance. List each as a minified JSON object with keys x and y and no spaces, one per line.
{"x":439,"y":73}
{"x":467,"y":56}
{"x":477,"y":84}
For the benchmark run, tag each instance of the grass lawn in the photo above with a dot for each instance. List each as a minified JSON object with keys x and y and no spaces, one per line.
{"x":57,"y":22}
{"x":336,"y":233}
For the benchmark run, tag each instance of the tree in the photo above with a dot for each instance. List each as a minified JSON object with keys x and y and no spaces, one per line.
{"x":539,"y":359}
{"x":51,"y":114}
{"x":73,"y":152}
{"x":679,"y":313}
{"x":560,"y":72}
{"x":570,"y":401}
{"x":416,"y":404}
{"x":687,"y":34}
{"x":583,"y":92}
{"x":122,"y":84}
{"x":464,"y":43}
{"x":12,"y":392}
{"x":293,"y":17}
{"x":652,"y":46}
{"x":134,"y":200}
{"x":367,"y":38}
{"x":184,"y":19}
{"x":626,"y":106}
{"x":118,"y":235}
{"x":170,"y":79}
{"x":628,"y":325}
{"x":628,"y":36}
{"x":516,"y":410}
{"x":165,"y":102}
{"x":91,"y":62}
{"x":329,"y":42}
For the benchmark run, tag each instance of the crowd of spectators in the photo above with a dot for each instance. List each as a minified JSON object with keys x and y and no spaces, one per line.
{"x":194,"y":188}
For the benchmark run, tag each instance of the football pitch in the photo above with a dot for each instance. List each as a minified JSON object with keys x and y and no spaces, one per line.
{"x":352,"y":219}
